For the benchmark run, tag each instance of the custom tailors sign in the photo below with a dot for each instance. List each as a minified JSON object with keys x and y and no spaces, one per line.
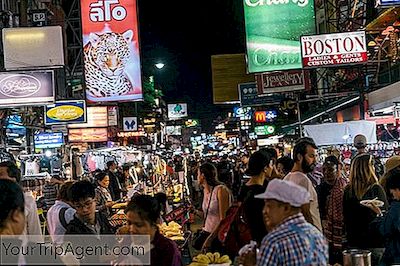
{"x":111,"y":50}
{"x":334,"y":49}
{"x":273,"y":30}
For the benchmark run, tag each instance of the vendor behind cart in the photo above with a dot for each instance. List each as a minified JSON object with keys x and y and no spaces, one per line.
{"x":143,"y":213}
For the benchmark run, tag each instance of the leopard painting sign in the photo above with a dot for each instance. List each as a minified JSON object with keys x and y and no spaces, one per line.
{"x":111,"y":50}
{"x":325,"y":50}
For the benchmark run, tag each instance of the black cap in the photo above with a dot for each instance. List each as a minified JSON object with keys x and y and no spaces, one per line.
{"x":257,"y":163}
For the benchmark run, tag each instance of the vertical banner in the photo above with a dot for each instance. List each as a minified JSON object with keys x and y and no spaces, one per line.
{"x":273,"y":30}
{"x":111,"y":50}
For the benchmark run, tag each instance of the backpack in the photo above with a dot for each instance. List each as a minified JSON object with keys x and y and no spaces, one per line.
{"x":234,"y":232}
{"x":61,"y":217}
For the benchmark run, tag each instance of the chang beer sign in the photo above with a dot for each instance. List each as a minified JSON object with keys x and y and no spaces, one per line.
{"x":273,"y":30}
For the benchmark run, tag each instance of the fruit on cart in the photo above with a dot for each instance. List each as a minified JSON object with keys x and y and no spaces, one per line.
{"x":172,"y":230}
{"x":210,"y":258}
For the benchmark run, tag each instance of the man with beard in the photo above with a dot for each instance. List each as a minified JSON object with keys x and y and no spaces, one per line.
{"x":305,"y":157}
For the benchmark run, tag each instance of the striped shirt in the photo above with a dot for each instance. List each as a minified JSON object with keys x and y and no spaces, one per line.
{"x":294,"y":242}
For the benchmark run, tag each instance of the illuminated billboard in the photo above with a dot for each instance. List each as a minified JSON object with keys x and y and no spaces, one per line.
{"x":345,"y":48}
{"x":273,"y":30}
{"x":111,"y":50}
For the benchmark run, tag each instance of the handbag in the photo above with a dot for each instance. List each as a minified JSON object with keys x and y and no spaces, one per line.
{"x":201,"y":236}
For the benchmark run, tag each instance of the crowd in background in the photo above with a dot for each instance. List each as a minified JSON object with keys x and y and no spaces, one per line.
{"x":281,"y":207}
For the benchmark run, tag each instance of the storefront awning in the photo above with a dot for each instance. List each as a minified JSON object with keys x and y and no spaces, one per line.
{"x":385,"y":19}
{"x":341,"y":133}
{"x":385,"y":97}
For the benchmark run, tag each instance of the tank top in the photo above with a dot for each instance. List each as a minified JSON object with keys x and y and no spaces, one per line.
{"x":213,"y":218}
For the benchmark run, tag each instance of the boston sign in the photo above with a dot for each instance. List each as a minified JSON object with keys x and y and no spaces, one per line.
{"x":334,"y":49}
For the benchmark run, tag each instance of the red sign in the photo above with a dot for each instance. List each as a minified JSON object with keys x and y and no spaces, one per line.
{"x":265,"y":116}
{"x":111,"y":50}
{"x":276,"y":82}
{"x":334,"y":49}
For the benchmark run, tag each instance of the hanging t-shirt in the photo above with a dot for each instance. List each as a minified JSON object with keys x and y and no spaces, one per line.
{"x":32,"y":168}
{"x":45,"y":165}
{"x":56,"y":165}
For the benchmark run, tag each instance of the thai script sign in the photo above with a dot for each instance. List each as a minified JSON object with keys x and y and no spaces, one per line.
{"x":111,"y":50}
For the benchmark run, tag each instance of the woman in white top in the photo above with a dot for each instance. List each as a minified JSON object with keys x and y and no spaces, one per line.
{"x":214,"y":209}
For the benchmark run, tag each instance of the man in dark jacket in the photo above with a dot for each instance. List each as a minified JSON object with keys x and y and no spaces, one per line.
{"x":115,"y":184}
{"x":86,"y":220}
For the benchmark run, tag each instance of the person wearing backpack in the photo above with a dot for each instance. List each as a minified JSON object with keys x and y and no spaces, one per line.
{"x":60,"y":214}
{"x":244,"y":220}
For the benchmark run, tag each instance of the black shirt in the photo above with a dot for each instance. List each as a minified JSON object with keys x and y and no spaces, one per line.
{"x":357,"y":218}
{"x":254,"y":210}
{"x":323,"y":192}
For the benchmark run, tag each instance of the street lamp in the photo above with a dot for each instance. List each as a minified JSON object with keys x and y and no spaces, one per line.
{"x":160,"y":65}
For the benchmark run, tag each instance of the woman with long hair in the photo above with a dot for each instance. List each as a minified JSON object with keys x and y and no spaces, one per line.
{"x":216,"y":201}
{"x":363,"y":185}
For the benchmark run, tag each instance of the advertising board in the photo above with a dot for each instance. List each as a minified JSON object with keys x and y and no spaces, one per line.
{"x":97,"y":116}
{"x":285,"y":81}
{"x":46,"y":140}
{"x":26,"y":88}
{"x":64,"y":112}
{"x":88,"y":135}
{"x":111,"y":50}
{"x":248,"y":94}
{"x":346,"y":48}
{"x":273,"y":30}
{"x":177,"y":111}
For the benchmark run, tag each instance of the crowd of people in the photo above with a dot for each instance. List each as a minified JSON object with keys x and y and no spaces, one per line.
{"x":259,"y":208}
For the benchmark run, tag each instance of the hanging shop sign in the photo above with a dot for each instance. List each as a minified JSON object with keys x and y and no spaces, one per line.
{"x":265,"y":116}
{"x":97,"y":116}
{"x":111,"y":50}
{"x":243,"y":113}
{"x":286,"y":81}
{"x":174,"y":130}
{"x":273,"y":30}
{"x":177,"y":111}
{"x":26,"y":88}
{"x":112,"y":116}
{"x":387,"y":3}
{"x":64,"y":112}
{"x":87,"y":135}
{"x":335,"y":49}
{"x":264,"y":130}
{"x":192,"y":123}
{"x":130,"y":124}
{"x":248,"y":94}
{"x":47,"y":140}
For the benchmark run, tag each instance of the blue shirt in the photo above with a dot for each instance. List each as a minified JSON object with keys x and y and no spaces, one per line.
{"x":294,"y":242}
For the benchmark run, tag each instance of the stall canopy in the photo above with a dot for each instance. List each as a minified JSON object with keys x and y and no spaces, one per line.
{"x":341,"y":133}
{"x":385,"y":97}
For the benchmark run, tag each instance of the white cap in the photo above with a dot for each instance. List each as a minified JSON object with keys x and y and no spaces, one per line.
{"x":286,"y":191}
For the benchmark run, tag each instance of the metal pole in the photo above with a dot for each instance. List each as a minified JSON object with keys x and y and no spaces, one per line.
{"x":299,"y":115}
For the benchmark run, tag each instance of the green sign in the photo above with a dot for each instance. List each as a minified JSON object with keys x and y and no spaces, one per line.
{"x":264,"y":130}
{"x":273,"y":30}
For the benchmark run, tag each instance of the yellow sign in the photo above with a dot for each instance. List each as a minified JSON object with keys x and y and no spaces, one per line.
{"x":65,"y":113}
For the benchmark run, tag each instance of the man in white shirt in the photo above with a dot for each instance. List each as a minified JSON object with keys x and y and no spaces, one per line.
{"x":60,"y":214}
{"x":305,"y":157}
{"x":8,"y":170}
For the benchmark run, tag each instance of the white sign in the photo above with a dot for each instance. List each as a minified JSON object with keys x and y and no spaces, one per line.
{"x":130,"y":123}
{"x":334,"y":49}
{"x":177,"y":111}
